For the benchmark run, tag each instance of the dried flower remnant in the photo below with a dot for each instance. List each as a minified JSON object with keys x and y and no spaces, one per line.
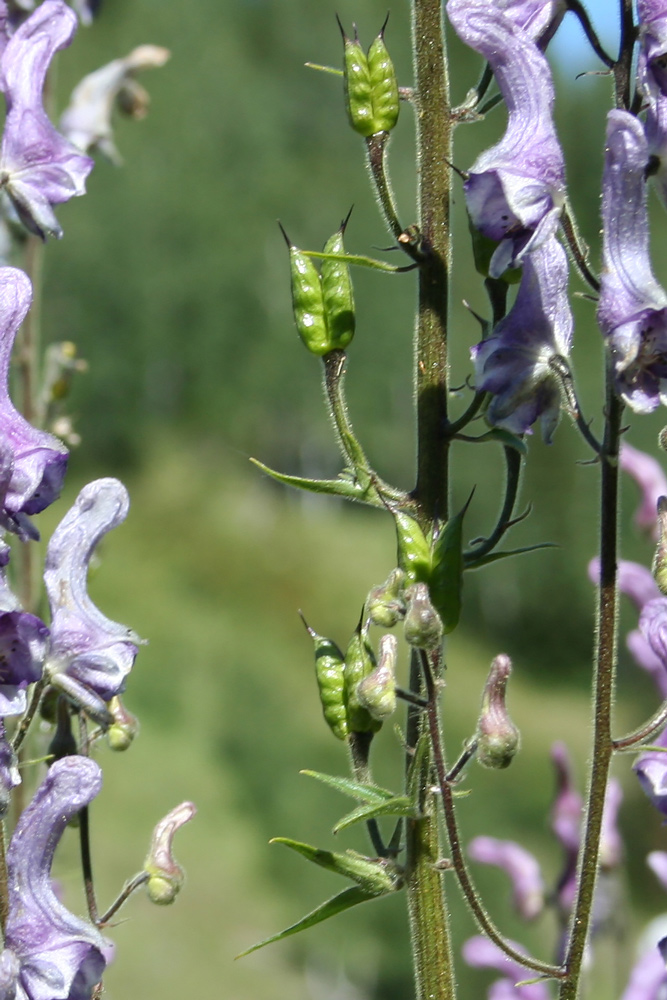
{"x":86,"y":122}
{"x":49,"y":952}
{"x":520,"y":362}
{"x":89,"y":653}
{"x":515,"y":191}
{"x":166,"y":877}
{"x":38,"y":167}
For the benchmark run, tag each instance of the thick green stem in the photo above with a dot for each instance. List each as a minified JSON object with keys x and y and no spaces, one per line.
{"x":603,"y":690}
{"x":429,"y":919}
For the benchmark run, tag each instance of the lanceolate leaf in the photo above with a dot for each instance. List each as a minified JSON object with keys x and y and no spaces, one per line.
{"x":374,"y":877}
{"x":372,"y":794}
{"x":342,"y":487}
{"x":472,"y":563}
{"x":398,"y":806}
{"x":343,"y":901}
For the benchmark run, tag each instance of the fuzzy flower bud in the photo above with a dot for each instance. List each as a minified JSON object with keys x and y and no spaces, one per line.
{"x":497,"y":737}
{"x":423,"y":626}
{"x":166,"y":877}
{"x":377,"y":691}
{"x":385,"y":605}
{"x":124,"y":728}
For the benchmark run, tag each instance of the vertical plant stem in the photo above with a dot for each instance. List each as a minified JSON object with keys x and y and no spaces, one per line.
{"x":603,"y":689}
{"x":429,"y":919}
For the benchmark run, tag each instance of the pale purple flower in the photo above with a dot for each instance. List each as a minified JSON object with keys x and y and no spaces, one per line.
{"x":652,"y":82}
{"x":632,"y":310}
{"x":49,"y":953}
{"x":520,"y":865}
{"x":611,"y":843}
{"x":481,"y":953}
{"x":87,"y":120}
{"x":37,"y":460}
{"x":514,"y":191}
{"x":519,"y":363}
{"x":647,"y":978}
{"x":649,"y":476}
{"x":566,"y":819}
{"x":89,"y":653}
{"x":651,"y":769}
{"x":533,"y":16}
{"x":653,"y":626}
{"x":657,"y":862}
{"x":38,"y":167}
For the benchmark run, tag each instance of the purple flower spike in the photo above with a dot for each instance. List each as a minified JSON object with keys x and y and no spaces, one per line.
{"x":38,"y":459}
{"x":49,"y":953}
{"x":647,"y":473}
{"x":38,"y":167}
{"x":520,"y":865}
{"x":515,"y":190}
{"x":481,"y":953}
{"x":651,"y":769}
{"x":632,"y":310}
{"x":518,"y":363}
{"x":89,"y":652}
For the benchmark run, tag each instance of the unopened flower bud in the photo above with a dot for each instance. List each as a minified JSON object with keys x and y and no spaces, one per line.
{"x":124,"y":727}
{"x":497,"y":736}
{"x":377,"y":691}
{"x":423,"y":625}
{"x":659,"y":567}
{"x":371,"y":89}
{"x":385,"y":605}
{"x":166,"y":876}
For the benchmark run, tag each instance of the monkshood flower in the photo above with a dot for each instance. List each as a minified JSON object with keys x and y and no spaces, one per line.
{"x":38,"y":460}
{"x":651,"y":769}
{"x":49,"y":953}
{"x":481,"y":953}
{"x":520,"y":362}
{"x":522,"y":868}
{"x":632,"y":310}
{"x":649,"y":476}
{"x":87,"y":120}
{"x":534,"y":17}
{"x":514,"y":191}
{"x":90,"y":655}
{"x":38,"y":167}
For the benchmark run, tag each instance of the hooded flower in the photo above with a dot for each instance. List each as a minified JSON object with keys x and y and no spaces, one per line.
{"x":87,"y":120}
{"x":520,"y":363}
{"x":38,"y":167}
{"x":632,"y":310}
{"x":37,"y":460}
{"x":515,"y":190}
{"x":49,"y":953}
{"x":521,"y":866}
{"x":89,"y":653}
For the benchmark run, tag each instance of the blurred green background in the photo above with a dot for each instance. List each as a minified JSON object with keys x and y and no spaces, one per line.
{"x":172,"y":280}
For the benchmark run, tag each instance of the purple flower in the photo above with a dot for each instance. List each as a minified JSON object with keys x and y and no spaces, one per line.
{"x":519,"y":362}
{"x":38,"y":167}
{"x":533,"y":16}
{"x":515,"y":190}
{"x":647,"y":473}
{"x":89,"y":654}
{"x":520,"y":865}
{"x":653,"y":626}
{"x":481,"y":953}
{"x":632,"y":310}
{"x":611,"y":843}
{"x":652,"y":82}
{"x":651,"y":769}
{"x":49,"y":953}
{"x":32,"y":462}
{"x":87,"y":120}
{"x":9,"y":771}
{"x":647,"y":978}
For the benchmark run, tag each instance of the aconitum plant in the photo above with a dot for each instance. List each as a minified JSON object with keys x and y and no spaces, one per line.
{"x":531,"y":261}
{"x":61,"y":680}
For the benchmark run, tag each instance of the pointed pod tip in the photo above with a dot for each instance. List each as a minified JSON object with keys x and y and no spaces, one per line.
{"x":285,"y":236}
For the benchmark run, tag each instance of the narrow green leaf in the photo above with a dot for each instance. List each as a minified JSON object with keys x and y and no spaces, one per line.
{"x":374,"y":876}
{"x":344,"y":486}
{"x":398,"y":806}
{"x":337,"y":904}
{"x":367,"y":793}
{"x":472,"y":563}
{"x":358,"y":259}
{"x":501,"y":436}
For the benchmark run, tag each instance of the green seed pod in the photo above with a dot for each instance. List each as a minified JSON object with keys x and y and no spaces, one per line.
{"x":377,"y":691}
{"x":385,"y":605}
{"x":423,"y":625}
{"x":371,"y":90}
{"x":307,"y":300}
{"x":659,"y":567}
{"x":414,"y":552}
{"x":384,"y":87}
{"x":337,"y":293}
{"x":359,"y":663}
{"x":329,"y":671}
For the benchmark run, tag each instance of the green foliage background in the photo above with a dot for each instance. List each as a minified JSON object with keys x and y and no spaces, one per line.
{"x":172,"y":280}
